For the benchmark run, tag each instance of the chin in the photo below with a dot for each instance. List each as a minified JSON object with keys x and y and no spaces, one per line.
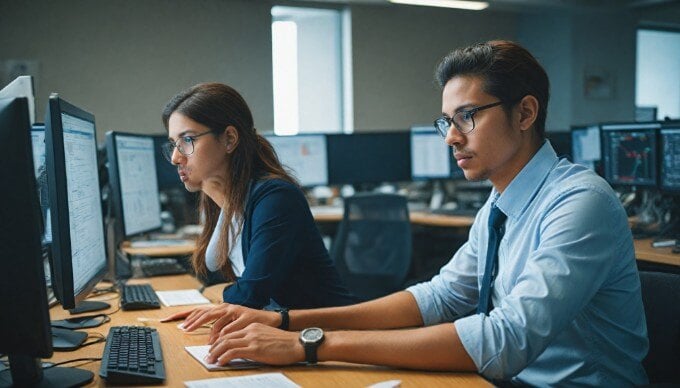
{"x":191,"y":188}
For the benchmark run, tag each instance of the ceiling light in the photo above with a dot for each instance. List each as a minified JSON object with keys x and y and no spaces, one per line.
{"x":462,"y":4}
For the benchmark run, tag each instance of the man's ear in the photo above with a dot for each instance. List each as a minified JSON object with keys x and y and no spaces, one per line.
{"x":527,"y":112}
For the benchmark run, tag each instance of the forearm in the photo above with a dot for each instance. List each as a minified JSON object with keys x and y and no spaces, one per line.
{"x":429,"y":348}
{"x":397,"y":310}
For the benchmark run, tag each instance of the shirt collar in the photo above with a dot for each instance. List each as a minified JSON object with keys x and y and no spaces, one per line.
{"x":522,"y":189}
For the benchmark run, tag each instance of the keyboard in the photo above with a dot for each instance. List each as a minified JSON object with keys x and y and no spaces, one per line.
{"x":132,"y":355}
{"x":161,"y":267}
{"x":138,"y":297}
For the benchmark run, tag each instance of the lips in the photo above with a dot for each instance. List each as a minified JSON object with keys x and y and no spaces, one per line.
{"x":462,"y":159}
{"x":183,"y":175}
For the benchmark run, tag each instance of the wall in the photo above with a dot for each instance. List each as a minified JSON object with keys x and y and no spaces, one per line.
{"x":122,"y":60}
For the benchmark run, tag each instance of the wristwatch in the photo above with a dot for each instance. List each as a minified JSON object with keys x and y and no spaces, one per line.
{"x":310,"y":339}
{"x":284,"y":318}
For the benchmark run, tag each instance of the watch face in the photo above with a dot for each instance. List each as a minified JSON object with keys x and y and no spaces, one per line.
{"x":313,"y":334}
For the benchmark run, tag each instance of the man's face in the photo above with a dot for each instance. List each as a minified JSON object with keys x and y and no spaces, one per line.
{"x":493,"y":150}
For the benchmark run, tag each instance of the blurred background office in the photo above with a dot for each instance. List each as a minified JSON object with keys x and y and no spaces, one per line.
{"x":361,"y":65}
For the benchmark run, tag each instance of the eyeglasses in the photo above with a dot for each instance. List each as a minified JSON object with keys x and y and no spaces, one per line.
{"x":463,"y":120}
{"x":185,"y":145}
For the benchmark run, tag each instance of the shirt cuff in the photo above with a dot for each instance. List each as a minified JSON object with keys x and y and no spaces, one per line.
{"x":429,"y":310}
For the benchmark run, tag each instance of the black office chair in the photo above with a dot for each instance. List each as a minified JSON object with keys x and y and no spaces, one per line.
{"x":661,"y":298}
{"x":372,"y":249}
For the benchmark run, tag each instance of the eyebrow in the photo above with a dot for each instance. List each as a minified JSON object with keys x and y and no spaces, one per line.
{"x":182,"y":134}
{"x":461,"y":108}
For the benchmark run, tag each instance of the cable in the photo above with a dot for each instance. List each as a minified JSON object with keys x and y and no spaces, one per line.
{"x":87,"y":359}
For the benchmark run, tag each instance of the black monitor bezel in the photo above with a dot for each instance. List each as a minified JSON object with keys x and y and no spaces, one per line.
{"x":62,"y":267}
{"x":632,"y":126}
{"x":27,"y":310}
{"x":114,"y":180}
{"x":300,"y":135}
{"x":663,"y":188}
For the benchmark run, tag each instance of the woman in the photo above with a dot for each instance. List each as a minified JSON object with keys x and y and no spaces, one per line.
{"x":259,"y":231}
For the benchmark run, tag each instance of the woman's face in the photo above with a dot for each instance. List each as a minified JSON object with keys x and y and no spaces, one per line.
{"x":207,"y":165}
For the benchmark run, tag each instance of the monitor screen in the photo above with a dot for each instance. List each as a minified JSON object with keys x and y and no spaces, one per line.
{"x":25,"y":331}
{"x":629,"y":153}
{"x":430,"y":155}
{"x":78,"y":247}
{"x":132,"y":173}
{"x":40,"y":169}
{"x":369,"y":158}
{"x":304,"y":156}
{"x":585,"y":145}
{"x":670,"y":159}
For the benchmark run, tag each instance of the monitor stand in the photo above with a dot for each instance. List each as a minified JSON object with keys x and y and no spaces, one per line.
{"x":67,"y":340}
{"x":88,"y":306}
{"x":26,"y":371}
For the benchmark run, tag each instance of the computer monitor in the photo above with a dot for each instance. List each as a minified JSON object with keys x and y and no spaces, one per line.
{"x":25,"y":332}
{"x":369,"y":158}
{"x":22,"y":86}
{"x":669,"y":179}
{"x":40,"y":169}
{"x":304,"y":155}
{"x":134,"y":184}
{"x":430,"y":156}
{"x":166,"y":173}
{"x":561,"y":142}
{"x":78,"y":242}
{"x":629,"y":153}
{"x":585,"y":145}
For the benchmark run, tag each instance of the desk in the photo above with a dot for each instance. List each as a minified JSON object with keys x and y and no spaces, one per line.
{"x":645,"y":251}
{"x":167,"y":250}
{"x":180,"y":366}
{"x":334,"y":214}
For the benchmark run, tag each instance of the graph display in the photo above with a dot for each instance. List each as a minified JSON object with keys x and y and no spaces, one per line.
{"x":629,"y":155}
{"x":670,"y":159}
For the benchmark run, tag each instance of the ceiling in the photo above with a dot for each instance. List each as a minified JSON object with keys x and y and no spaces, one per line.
{"x":524,"y":5}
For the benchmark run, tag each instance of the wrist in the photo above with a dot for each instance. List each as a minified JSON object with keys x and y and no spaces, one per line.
{"x":283,"y":320}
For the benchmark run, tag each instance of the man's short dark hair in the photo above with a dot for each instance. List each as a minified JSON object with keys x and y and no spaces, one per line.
{"x":508,"y":70}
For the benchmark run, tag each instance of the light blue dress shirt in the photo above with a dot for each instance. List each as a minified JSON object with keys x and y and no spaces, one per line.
{"x":567,"y":304}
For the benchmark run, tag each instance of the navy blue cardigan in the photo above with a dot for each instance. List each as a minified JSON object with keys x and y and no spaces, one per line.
{"x":283,"y":253}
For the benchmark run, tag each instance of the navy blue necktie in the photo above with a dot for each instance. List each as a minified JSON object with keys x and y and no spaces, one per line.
{"x":496,"y":220}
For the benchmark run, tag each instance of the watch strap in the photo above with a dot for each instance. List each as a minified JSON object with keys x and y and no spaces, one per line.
{"x":285,"y":320}
{"x":310,"y":353}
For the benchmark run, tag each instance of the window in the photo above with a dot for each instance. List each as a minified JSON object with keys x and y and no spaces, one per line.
{"x":311,"y":73}
{"x":658,"y":72}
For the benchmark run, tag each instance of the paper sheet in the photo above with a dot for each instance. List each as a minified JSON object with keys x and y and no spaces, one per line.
{"x":200,"y":352}
{"x":271,"y":380}
{"x":181,"y":297}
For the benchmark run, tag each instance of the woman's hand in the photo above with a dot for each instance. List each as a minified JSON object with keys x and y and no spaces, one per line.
{"x":192,"y":316}
{"x":233,"y":317}
{"x":259,"y":343}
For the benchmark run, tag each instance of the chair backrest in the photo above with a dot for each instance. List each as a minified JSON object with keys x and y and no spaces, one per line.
{"x":661,"y":298}
{"x":372,"y":249}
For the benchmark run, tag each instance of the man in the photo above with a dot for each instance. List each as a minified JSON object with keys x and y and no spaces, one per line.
{"x":545,"y":291}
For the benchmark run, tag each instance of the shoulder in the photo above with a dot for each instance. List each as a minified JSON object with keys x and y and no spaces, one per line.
{"x":276,"y":192}
{"x":569,"y":179}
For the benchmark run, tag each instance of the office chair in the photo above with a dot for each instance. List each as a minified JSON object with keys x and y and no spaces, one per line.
{"x":661,"y":298}
{"x":372,"y":249}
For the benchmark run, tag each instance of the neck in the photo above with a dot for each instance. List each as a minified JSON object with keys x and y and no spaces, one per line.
{"x":524,"y":155}
{"x":216,"y":189}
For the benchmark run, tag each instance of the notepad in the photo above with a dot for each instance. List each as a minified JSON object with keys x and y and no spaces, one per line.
{"x":272,"y":380}
{"x":200,"y":353}
{"x":181,"y":297}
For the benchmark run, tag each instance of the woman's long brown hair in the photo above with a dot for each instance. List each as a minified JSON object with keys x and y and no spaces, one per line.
{"x":218,"y":106}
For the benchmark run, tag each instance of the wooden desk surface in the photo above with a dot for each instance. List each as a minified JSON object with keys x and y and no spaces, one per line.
{"x":167,"y":250}
{"x":180,"y":366}
{"x":333,"y":214}
{"x":645,"y":251}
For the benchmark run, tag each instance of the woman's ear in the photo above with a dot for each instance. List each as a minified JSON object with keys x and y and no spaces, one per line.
{"x":528,"y":112}
{"x":231,"y":138}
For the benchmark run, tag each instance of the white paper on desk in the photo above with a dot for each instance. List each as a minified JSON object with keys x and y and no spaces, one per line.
{"x":181,"y":297}
{"x":200,"y":353}
{"x":274,"y":380}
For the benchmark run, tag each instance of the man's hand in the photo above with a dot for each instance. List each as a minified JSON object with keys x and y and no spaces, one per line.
{"x":259,"y":343}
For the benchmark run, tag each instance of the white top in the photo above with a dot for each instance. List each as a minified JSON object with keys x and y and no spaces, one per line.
{"x":235,"y":251}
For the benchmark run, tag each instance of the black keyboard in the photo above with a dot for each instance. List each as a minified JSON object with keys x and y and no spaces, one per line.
{"x":161,"y":267}
{"x":138,"y":297}
{"x":132,"y":355}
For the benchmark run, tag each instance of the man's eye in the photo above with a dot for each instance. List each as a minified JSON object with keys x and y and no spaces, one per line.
{"x":187,"y":140}
{"x":467,"y":116}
